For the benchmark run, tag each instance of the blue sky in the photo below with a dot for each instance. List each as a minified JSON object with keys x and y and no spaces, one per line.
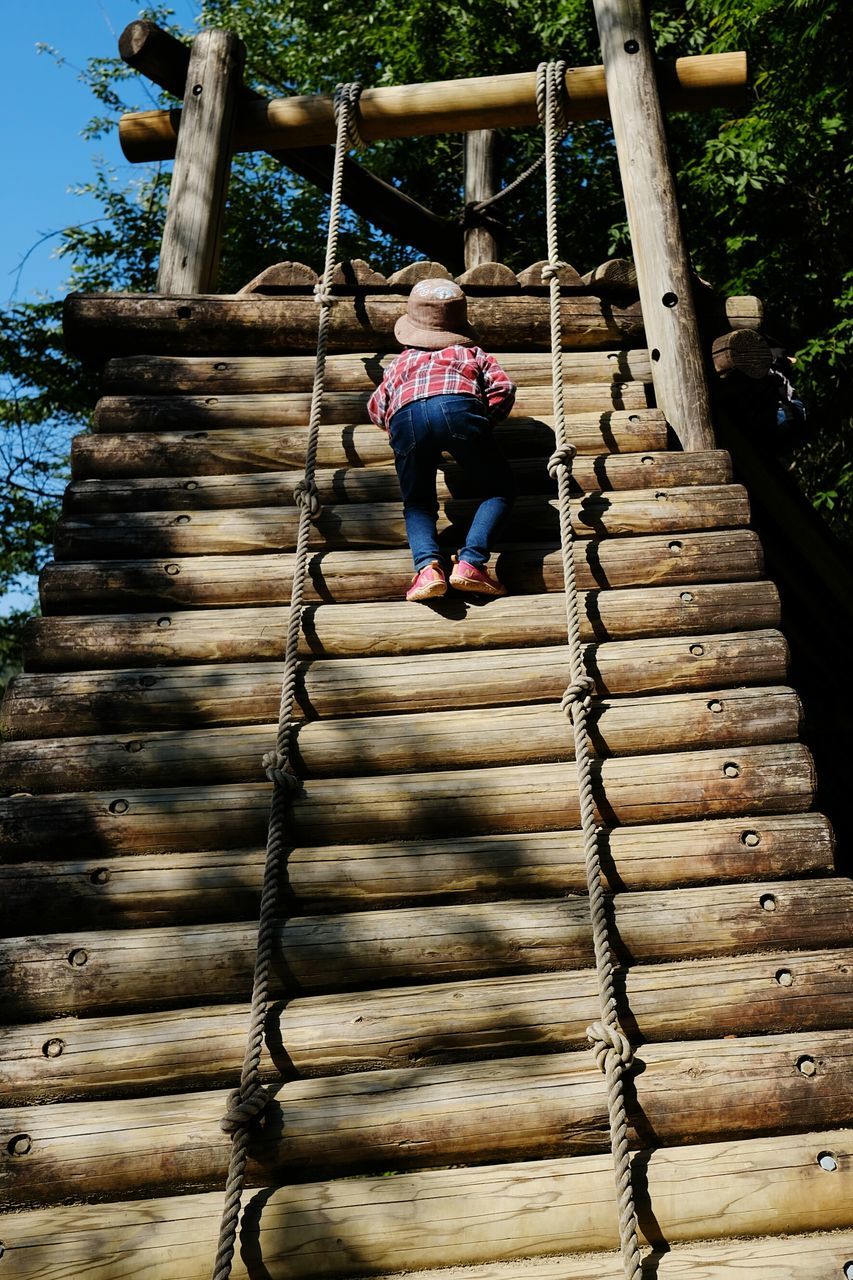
{"x":47,"y":108}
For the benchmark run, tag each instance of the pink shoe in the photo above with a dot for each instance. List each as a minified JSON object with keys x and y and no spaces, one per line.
{"x":474,"y":579}
{"x":428,"y":583}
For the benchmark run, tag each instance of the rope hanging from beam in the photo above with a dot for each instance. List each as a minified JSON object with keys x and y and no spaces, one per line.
{"x":611,"y":1047}
{"x":247,"y":1103}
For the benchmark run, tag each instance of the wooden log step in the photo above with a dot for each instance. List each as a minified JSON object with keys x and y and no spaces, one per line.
{"x":356,"y":1227}
{"x":433,"y":1116}
{"x":42,"y":706}
{"x":403,"y":743}
{"x":461,"y":802}
{"x":165,"y":889}
{"x":202,"y":1047}
{"x":366,"y":630}
{"x":230,"y":452}
{"x":816,"y":1256}
{"x":83,"y":972}
{"x":100,"y":325}
{"x":726,"y":555}
{"x":291,"y":408}
{"x":205,"y":375}
{"x":379,"y":484}
{"x":253,"y":529}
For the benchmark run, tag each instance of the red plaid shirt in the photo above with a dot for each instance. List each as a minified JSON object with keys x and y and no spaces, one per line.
{"x":417,"y":374}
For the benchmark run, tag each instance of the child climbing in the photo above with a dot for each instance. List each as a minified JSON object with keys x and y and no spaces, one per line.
{"x":443,"y":394}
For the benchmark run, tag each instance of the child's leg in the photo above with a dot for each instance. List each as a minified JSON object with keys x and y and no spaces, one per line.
{"x":470,"y":441}
{"x":416,"y":459}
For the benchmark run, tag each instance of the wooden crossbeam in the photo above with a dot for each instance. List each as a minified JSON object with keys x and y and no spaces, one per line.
{"x":449,"y":106}
{"x":164,"y":60}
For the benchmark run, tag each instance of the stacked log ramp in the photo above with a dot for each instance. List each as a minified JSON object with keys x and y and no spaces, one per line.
{"x":436,"y":1110}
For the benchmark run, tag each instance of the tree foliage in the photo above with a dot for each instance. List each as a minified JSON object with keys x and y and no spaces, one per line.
{"x":765,"y":197}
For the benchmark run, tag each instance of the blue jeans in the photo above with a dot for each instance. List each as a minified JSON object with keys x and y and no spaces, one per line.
{"x":419,"y":433}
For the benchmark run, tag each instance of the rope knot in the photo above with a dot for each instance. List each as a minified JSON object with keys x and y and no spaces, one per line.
{"x":578,"y":693}
{"x":323,"y":296}
{"x":346,"y":100}
{"x":608,"y":1040}
{"x":307,"y":497}
{"x":551,"y":270}
{"x":242,"y":1110}
{"x":561,"y":457}
{"x":277,"y":769}
{"x":555,"y":73}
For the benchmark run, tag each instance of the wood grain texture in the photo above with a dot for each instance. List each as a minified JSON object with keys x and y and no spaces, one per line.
{"x":228,"y":451}
{"x":202,"y":1046}
{"x":433,"y":1116}
{"x":193,"y":582}
{"x":479,"y":183}
{"x":291,"y":408}
{"x":190,"y":248}
{"x":363,"y":745}
{"x":82,"y":972}
{"x":101,"y":325}
{"x":601,"y":474}
{"x":654,"y":221}
{"x":691,"y":83}
{"x":372,"y":629}
{"x":234,"y":375}
{"x":356,"y":1227}
{"x":42,"y":706}
{"x":355,"y":525}
{"x":173,"y":888}
{"x":452,"y":803}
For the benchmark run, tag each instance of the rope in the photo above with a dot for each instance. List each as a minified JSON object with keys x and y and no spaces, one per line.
{"x":246,"y":1104}
{"x":611,"y":1047}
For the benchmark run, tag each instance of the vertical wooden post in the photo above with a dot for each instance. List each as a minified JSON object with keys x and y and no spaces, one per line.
{"x":663,"y":274}
{"x":190,"y":250}
{"x":480,"y":183}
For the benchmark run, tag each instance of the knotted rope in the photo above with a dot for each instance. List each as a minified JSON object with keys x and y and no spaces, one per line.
{"x":247,"y":1102}
{"x":611,"y":1047}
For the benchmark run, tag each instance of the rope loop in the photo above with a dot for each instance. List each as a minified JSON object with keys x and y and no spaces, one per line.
{"x":551,"y":270}
{"x":346,"y":98}
{"x":323,"y":297}
{"x":578,"y":693}
{"x":307,"y":496}
{"x":243,"y":1109}
{"x":555,"y":72}
{"x":277,"y":769}
{"x":609,"y":1039}
{"x":561,"y":457}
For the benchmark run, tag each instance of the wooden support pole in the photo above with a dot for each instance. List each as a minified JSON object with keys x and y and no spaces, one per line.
{"x":449,"y":106}
{"x":158,"y":55}
{"x":190,"y":250}
{"x":480,"y":183}
{"x":663,"y":272}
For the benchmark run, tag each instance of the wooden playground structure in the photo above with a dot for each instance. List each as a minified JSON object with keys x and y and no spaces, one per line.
{"x":430,"y":1104}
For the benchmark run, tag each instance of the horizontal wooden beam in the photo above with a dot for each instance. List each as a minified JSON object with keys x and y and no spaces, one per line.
{"x":171,"y":888}
{"x":44,"y":706}
{"x":633,"y":790}
{"x":230,"y":450}
{"x":248,"y":635}
{"x":602,"y":474}
{"x":450,"y":106}
{"x":203,"y":582}
{"x":364,"y":525}
{"x":112,"y":970}
{"x":101,"y":325}
{"x":288,"y":409}
{"x":401,"y":743}
{"x":202,"y":1047}
{"x":434,"y":1116}
{"x":208,"y":375}
{"x":164,"y":59}
{"x":361,"y":1226}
